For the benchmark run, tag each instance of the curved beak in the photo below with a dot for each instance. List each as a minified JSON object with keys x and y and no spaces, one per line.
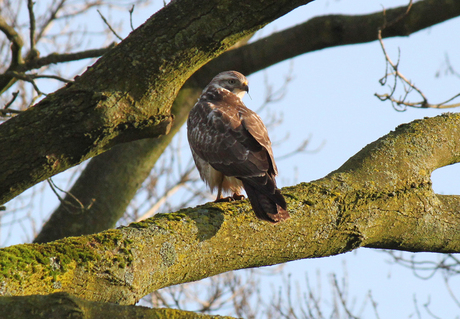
{"x":245,"y":87}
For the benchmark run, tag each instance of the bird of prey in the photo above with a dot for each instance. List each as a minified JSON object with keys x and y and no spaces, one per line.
{"x":231,"y":148}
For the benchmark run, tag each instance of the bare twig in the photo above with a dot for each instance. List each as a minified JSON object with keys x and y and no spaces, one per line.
{"x":417,"y":311}
{"x":30,"y":7}
{"x":449,"y":289}
{"x":401,"y":103}
{"x":427,"y":308}
{"x":426,"y":269}
{"x":271,"y":95}
{"x":52,"y":16}
{"x":25,"y":77}
{"x":15,"y":95}
{"x":387,"y":24}
{"x":342,"y":297}
{"x":185,"y":178}
{"x":66,"y":203}
{"x":110,"y":27}
{"x":302,"y":148}
{"x":449,"y":68}
{"x":131,"y":17}
{"x":374,"y":305}
{"x":55,"y":58}
{"x":32,"y":76}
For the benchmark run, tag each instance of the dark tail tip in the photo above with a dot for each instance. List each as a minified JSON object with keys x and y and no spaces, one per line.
{"x":271,"y":208}
{"x":281,"y":215}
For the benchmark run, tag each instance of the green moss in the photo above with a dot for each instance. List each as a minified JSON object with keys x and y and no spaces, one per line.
{"x":109,"y":238}
{"x":174,"y":216}
{"x":140,"y":225}
{"x":291,"y":196}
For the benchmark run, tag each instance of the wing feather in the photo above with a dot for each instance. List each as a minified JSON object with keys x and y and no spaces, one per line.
{"x":221,"y":136}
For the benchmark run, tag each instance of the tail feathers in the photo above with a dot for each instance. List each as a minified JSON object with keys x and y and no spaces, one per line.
{"x":271,"y":207}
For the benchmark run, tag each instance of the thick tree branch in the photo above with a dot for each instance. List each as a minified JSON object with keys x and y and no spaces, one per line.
{"x":127,"y":166}
{"x":130,"y":87}
{"x":365,"y":203}
{"x":335,"y":30}
{"x":6,"y":80}
{"x":54,"y":58}
{"x":63,"y":305}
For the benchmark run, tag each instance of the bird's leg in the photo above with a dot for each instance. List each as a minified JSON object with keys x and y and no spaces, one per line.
{"x":219,"y":198}
{"x":219,"y":193}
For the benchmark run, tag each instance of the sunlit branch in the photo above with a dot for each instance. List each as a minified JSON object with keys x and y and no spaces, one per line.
{"x":16,"y":42}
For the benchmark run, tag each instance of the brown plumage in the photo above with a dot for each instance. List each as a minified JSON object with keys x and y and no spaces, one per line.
{"x":231,"y":147}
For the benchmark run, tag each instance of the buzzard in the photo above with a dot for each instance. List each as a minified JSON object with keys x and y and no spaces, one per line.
{"x":231,"y":147}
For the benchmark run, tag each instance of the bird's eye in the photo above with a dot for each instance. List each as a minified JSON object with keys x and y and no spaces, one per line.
{"x":231,"y":81}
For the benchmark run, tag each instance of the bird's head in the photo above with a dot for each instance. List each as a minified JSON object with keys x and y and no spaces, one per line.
{"x":233,"y":81}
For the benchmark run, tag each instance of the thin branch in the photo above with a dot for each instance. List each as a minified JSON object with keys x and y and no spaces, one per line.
{"x":417,"y":311}
{"x":32,"y":76}
{"x":401,"y":104}
{"x":183,"y":180}
{"x":131,"y":17}
{"x":16,"y":42}
{"x":302,"y":148}
{"x":45,"y":76}
{"x":451,"y":293}
{"x":51,"y":18}
{"x":30,"y":7}
{"x":55,"y":58}
{"x":427,"y":308}
{"x":342,"y":297}
{"x":450,"y":68}
{"x":374,"y":305}
{"x":399,"y":18}
{"x":110,"y":27}
{"x":66,"y":203}
{"x":15,"y":95}
{"x":8,"y":112}
{"x":25,"y":77}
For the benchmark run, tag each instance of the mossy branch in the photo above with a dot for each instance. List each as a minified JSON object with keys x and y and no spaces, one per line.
{"x":63,"y":305}
{"x":365,"y":203}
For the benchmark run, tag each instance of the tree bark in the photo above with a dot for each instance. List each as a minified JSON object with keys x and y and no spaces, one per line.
{"x":380,"y":198}
{"x":63,"y":305}
{"x":112,"y":178}
{"x":127,"y":94}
